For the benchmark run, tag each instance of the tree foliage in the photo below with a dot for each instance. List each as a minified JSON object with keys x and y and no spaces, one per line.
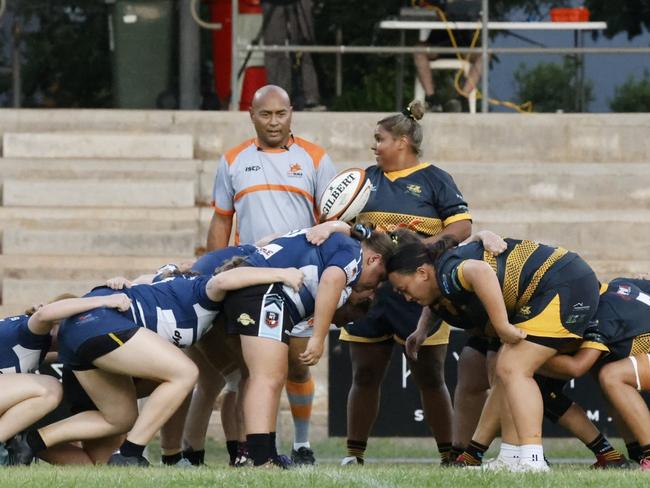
{"x":630,"y":16}
{"x":633,"y":95}
{"x":66,"y":59}
{"x":551,"y":86}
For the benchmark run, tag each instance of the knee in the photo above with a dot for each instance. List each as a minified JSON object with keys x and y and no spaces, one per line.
{"x":505,"y":370}
{"x":122,"y":420}
{"x":298,"y":372}
{"x":433,"y":379}
{"x":367,"y":376}
{"x":273,"y":380}
{"x":187,"y":376}
{"x":52,"y":392}
{"x":608,"y":376}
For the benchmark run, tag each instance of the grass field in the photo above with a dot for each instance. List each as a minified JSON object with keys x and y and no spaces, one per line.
{"x":381,"y":472}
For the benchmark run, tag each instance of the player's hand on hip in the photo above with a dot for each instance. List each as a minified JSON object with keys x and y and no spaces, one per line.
{"x":511,"y":335}
{"x":293,"y":278}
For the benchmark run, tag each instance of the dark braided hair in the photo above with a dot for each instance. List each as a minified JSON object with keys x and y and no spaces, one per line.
{"x":411,"y":254}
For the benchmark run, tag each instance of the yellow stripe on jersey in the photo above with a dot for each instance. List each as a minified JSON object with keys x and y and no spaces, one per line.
{"x":514,"y":266}
{"x":537,"y":277}
{"x":461,"y":277}
{"x":640,"y":345}
{"x":456,"y":218}
{"x":389,"y":221}
{"x":548,"y":323}
{"x":394,"y":175}
{"x":594,"y":345}
{"x":115,"y":338}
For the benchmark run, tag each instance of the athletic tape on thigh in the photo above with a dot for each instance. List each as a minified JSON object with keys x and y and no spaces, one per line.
{"x":636,"y":372}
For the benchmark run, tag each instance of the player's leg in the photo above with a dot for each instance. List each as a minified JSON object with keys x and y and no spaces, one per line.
{"x":470,"y":394}
{"x":429,"y":376}
{"x":26,"y":398}
{"x":369,"y":366}
{"x":267,"y":363}
{"x":300,"y":392}
{"x":621,"y":382}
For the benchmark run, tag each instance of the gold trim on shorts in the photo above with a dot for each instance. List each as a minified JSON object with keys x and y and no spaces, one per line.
{"x":548,"y":323}
{"x":439,"y":338}
{"x":347,"y":337}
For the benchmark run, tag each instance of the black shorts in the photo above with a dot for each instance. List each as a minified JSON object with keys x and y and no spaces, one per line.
{"x":259,"y":311}
{"x":389,"y":318}
{"x":556,"y":403}
{"x":98,"y":346}
{"x":483,"y":344}
{"x":562,"y":307}
{"x":74,"y":395}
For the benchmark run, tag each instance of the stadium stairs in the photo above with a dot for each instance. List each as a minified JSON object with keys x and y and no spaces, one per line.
{"x":91,"y":194}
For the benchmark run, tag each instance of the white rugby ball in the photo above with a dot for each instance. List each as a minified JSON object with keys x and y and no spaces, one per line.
{"x":345,"y":196}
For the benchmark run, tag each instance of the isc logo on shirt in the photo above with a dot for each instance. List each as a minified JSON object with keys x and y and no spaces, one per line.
{"x":269,"y":251}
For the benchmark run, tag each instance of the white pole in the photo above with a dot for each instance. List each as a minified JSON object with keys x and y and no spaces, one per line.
{"x":234,"y":65}
{"x":485,"y":105}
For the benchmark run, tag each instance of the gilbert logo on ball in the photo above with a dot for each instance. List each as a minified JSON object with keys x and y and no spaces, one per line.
{"x":346,"y":195}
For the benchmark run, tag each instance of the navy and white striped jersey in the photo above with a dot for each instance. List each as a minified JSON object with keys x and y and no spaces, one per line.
{"x":21,"y":351}
{"x":292,"y":250}
{"x":176,"y":308}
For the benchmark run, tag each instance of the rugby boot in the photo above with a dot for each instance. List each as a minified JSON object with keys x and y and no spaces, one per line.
{"x":352,"y":461}
{"x":118,"y":459}
{"x":303,"y":457}
{"x":645,"y":464}
{"x":4,"y":455}
{"x":609,"y":461}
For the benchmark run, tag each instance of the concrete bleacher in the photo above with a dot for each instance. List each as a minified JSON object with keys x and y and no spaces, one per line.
{"x":91,"y":194}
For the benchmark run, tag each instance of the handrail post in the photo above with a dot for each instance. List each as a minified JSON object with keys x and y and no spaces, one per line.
{"x":485,"y":100}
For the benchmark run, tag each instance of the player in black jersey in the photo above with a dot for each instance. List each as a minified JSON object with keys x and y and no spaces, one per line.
{"x":548,"y":293}
{"x":621,"y":337}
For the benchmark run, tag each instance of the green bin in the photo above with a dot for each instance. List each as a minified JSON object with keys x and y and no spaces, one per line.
{"x":141,"y":42}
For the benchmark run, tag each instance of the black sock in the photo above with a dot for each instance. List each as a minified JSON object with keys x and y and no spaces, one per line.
{"x":129,"y":449}
{"x":196,"y":458}
{"x":259,"y":447}
{"x":444,"y":448}
{"x":171,"y":459}
{"x":473,"y":454}
{"x":274,"y":447}
{"x":35,"y":441}
{"x":600,"y":445}
{"x":455,"y":452}
{"x":645,"y":451}
{"x":634,"y":451}
{"x":357,"y":449}
{"x":233,"y":448}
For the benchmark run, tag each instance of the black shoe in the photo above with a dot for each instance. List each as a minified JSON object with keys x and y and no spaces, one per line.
{"x":303,"y":457}
{"x":280,"y":461}
{"x":118,"y":459}
{"x":19,"y":451}
{"x":432,"y":103}
{"x":243,"y":459}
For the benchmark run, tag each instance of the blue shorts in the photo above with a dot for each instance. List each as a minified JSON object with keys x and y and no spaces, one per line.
{"x":87,"y":336}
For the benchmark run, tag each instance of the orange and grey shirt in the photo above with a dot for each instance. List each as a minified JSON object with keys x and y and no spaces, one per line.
{"x":271,"y":190}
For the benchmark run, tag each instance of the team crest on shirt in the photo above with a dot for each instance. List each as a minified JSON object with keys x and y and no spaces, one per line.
{"x":624,"y":290}
{"x":295,"y":171}
{"x":245,"y":319}
{"x":415,"y":190}
{"x":525,"y":311}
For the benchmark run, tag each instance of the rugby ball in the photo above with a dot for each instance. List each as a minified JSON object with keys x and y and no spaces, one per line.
{"x":345,"y":196}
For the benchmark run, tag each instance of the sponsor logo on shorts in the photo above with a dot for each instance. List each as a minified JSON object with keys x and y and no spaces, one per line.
{"x":245,"y":320}
{"x":581,"y":307}
{"x":295,"y":171}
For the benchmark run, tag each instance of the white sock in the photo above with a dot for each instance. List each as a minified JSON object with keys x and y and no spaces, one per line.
{"x":298,"y":445}
{"x":509,"y":452}
{"x":533,"y":453}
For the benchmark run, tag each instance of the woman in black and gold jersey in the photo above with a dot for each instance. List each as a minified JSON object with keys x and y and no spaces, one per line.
{"x":622,"y":334}
{"x":548,"y":293}
{"x":417,"y":195}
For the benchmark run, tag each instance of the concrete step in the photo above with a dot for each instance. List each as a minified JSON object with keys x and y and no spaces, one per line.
{"x":27,"y":292}
{"x":607,"y":234}
{"x":99,"y":192}
{"x":83,"y":215}
{"x":101,"y":145}
{"x":553,"y":185}
{"x":40,"y":168}
{"x":102,"y":238}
